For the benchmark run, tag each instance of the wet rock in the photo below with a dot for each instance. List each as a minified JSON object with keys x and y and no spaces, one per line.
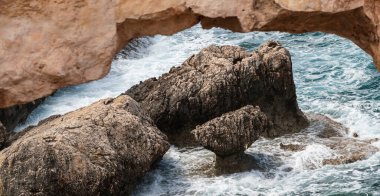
{"x":235,"y":163}
{"x":10,"y":117}
{"x":102,"y":149}
{"x":332,"y":138}
{"x":233,"y":132}
{"x":327,"y":127}
{"x":3,"y":136}
{"x":14,"y":115}
{"x":292,"y":147}
{"x":349,"y":150}
{"x":221,"y":79}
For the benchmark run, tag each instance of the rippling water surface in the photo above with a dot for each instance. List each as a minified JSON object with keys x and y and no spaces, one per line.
{"x":333,"y":77}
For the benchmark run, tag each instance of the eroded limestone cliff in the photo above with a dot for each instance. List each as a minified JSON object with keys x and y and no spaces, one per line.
{"x":46,"y":45}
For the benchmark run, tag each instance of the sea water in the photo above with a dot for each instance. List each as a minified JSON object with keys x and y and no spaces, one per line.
{"x":333,"y":76}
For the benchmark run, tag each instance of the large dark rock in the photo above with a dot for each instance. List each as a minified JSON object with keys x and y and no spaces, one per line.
{"x":233,"y":132}
{"x":102,"y":149}
{"x":221,"y":79}
{"x":10,"y":117}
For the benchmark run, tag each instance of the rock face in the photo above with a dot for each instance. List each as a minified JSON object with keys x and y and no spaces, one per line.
{"x":233,"y":132}
{"x":3,"y":136}
{"x":102,"y":149}
{"x":46,"y":45}
{"x":221,"y":79}
{"x":329,"y":128}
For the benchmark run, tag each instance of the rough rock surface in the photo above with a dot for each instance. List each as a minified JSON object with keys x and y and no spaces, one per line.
{"x":221,"y":79}
{"x":3,"y":136}
{"x":233,"y":132}
{"x":102,"y":149}
{"x":328,"y":127}
{"x":70,"y":42}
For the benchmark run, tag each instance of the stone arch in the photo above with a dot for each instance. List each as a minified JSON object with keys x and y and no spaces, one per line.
{"x":46,"y":45}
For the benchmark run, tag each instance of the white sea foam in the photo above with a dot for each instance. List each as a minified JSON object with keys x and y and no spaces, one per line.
{"x":312,"y":157}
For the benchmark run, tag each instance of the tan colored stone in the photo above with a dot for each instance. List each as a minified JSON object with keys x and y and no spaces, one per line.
{"x":46,"y":45}
{"x":102,"y":149}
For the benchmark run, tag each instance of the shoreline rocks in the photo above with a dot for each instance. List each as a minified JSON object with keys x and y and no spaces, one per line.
{"x":105,"y":148}
{"x":235,"y":163}
{"x":229,"y":135}
{"x":102,"y":149}
{"x":221,"y":79}
{"x":331,"y":136}
{"x":233,"y":132}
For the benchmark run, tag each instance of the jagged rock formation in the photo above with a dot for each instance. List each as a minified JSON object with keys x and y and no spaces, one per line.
{"x":233,"y":132}
{"x":46,"y":45}
{"x":221,"y":79}
{"x":102,"y":149}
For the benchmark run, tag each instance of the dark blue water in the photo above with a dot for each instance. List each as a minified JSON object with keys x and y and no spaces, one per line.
{"x":333,"y":77}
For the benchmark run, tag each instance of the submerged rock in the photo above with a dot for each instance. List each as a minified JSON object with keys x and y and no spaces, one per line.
{"x":292,"y":147}
{"x":327,"y":127}
{"x":349,"y":150}
{"x":233,"y":132}
{"x":334,"y":145}
{"x":221,"y":79}
{"x":102,"y":149}
{"x":239,"y":162}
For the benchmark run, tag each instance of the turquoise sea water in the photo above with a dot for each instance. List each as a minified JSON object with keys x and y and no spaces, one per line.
{"x":333,"y":77}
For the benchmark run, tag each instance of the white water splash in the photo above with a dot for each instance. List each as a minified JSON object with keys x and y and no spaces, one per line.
{"x":312,"y":157}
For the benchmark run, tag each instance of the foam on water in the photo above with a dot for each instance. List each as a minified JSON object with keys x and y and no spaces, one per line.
{"x":312,"y":157}
{"x":333,"y":77}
